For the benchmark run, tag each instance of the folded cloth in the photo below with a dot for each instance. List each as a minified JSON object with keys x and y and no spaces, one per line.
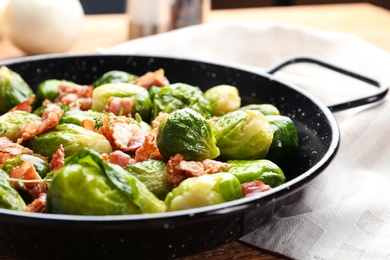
{"x":345,"y":212}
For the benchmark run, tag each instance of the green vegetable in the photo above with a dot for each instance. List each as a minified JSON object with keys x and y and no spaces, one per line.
{"x":9,"y":197}
{"x":177,"y":96}
{"x":47,"y":89}
{"x":76,"y":117}
{"x":114,"y":76}
{"x":243,"y":134}
{"x":204,"y":190}
{"x":187,"y":132}
{"x":142,"y":102}
{"x":11,"y":122}
{"x":265,"y":109}
{"x":41,"y":166}
{"x":257,"y":170}
{"x":72,"y":137}
{"x":285,"y":147}
{"x":154,"y":175}
{"x":87,"y":185}
{"x":13,"y":89}
{"x":223,"y":99}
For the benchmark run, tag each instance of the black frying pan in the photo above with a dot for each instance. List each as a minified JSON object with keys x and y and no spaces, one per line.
{"x":175,"y":234}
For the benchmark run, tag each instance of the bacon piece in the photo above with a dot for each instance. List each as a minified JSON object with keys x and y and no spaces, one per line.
{"x":9,"y":149}
{"x":38,"y":205}
{"x":192,"y":168}
{"x":254,"y":187}
{"x":25,"y":105}
{"x":127,"y":137}
{"x":175,"y":174}
{"x":50,"y":118}
{"x":149,"y":149}
{"x":74,"y":95}
{"x":58,"y":159}
{"x":120,"y":106}
{"x":156,"y":78}
{"x":120,"y":158}
{"x":156,"y":122}
{"x":26,"y":171}
{"x":213,"y":166}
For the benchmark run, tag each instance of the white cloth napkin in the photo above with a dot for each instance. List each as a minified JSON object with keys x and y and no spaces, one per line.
{"x":345,"y":212}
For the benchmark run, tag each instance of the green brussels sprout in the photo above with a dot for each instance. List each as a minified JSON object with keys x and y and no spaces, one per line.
{"x":265,"y":109}
{"x":87,"y":185}
{"x":188,"y":133}
{"x":142,"y":102}
{"x":257,"y":170}
{"x":114,"y":76}
{"x":177,"y":96}
{"x":285,"y":146}
{"x":47,"y":89}
{"x":13,"y":89}
{"x":76,"y":117}
{"x":9,"y":197}
{"x":204,"y":190}
{"x":41,"y":166}
{"x":223,"y":99}
{"x":72,"y":137}
{"x":243,"y":134}
{"x":11,"y":122}
{"x":154,"y":175}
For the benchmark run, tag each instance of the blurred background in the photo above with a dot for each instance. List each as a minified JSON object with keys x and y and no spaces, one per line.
{"x":118,"y":6}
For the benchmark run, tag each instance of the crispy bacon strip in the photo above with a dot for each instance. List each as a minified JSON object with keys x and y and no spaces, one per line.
{"x":120,"y":106}
{"x":50,"y":118}
{"x":156,"y":78}
{"x":26,"y":171}
{"x":58,"y":159}
{"x":38,"y":205}
{"x":148,"y":149}
{"x":74,"y":95}
{"x":25,"y":105}
{"x":254,"y":187}
{"x":9,"y":149}
{"x":120,"y":158}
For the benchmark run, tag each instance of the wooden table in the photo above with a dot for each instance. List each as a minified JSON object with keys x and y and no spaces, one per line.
{"x":363,"y":20}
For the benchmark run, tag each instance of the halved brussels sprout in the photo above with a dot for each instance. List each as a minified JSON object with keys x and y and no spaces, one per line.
{"x":72,"y":137}
{"x":188,"y":133}
{"x":9,"y":197}
{"x":204,"y":190}
{"x":115,"y":76}
{"x":257,"y":170}
{"x":13,"y":89}
{"x":11,"y":122}
{"x":142,"y":103}
{"x":154,"y":175}
{"x":265,"y":109}
{"x":177,"y":96}
{"x":47,"y":89}
{"x":243,"y":134}
{"x":223,"y":99}
{"x":87,"y":185}
{"x":41,"y":166}
{"x":285,"y":146}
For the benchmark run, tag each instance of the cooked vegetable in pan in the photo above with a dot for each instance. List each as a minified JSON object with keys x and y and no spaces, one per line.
{"x":133,"y":144}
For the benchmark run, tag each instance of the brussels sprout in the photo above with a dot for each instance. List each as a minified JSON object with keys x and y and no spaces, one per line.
{"x":285,"y":147}
{"x":204,"y":190}
{"x":47,"y":89}
{"x":13,"y":89}
{"x":179,"y":95}
{"x":142,"y":103}
{"x":257,"y":170}
{"x":243,"y":134}
{"x":186,"y":132}
{"x":41,"y":166}
{"x":154,"y":175}
{"x":223,"y":99}
{"x":76,"y":117}
{"x":11,"y":122}
{"x":265,"y":109}
{"x":72,"y":137}
{"x":114,"y":76}
{"x":87,"y":185}
{"x":9,"y":197}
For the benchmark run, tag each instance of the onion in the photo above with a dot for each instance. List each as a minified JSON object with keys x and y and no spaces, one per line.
{"x":43,"y":26}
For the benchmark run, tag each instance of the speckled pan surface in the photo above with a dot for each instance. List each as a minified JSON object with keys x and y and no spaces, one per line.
{"x":173,"y":234}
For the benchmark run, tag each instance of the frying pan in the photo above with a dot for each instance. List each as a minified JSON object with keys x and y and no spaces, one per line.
{"x":176,"y":234}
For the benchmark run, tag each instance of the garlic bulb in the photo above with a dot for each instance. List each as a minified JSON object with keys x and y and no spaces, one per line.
{"x":43,"y":26}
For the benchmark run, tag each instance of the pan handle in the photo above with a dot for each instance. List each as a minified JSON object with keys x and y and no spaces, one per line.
{"x":378,"y":95}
